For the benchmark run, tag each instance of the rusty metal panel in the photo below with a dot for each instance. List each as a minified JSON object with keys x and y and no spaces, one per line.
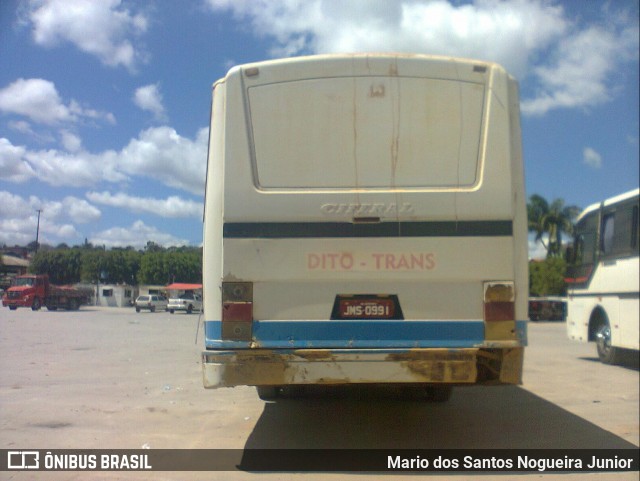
{"x":237,"y":311}
{"x":236,"y":330}
{"x":321,"y":366}
{"x":500,"y":330}
{"x":511,"y":369}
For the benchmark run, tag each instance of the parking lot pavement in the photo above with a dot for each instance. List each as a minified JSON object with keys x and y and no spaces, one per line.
{"x":113,"y":378}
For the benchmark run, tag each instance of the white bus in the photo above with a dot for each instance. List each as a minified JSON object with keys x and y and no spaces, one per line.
{"x":365,"y":222}
{"x":603,"y":277}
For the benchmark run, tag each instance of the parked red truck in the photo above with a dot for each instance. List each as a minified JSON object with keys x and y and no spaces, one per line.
{"x":34,"y":291}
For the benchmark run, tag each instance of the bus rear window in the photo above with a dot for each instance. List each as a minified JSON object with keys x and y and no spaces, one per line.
{"x":366,"y":133}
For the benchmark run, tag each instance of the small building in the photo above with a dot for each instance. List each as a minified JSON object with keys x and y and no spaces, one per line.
{"x":11,"y":267}
{"x":115,"y":295}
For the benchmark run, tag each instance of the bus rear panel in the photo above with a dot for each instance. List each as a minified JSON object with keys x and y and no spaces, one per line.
{"x":365,"y":222}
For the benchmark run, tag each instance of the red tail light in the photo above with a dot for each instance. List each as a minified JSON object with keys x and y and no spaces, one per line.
{"x":237,"y":310}
{"x":499,"y":301}
{"x":499,"y":311}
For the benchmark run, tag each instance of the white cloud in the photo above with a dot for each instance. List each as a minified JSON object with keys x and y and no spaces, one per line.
{"x":162,"y":154}
{"x":579,"y":73}
{"x":36,"y":99}
{"x":19,"y":218}
{"x":62,"y":168}
{"x":149,"y":98}
{"x":137,"y":236}
{"x":59,"y":220}
{"x":159,"y":153}
{"x":537,"y":250}
{"x":25,"y":128}
{"x":12,"y":165}
{"x":172,"y":206}
{"x":507,"y":32}
{"x":71,"y":141}
{"x":591,"y":158}
{"x":102,"y":28}
{"x":74,"y":209}
{"x":572,"y":64}
{"x":39,"y":100}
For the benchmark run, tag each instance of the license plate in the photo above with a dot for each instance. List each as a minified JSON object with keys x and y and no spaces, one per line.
{"x":367,"y":307}
{"x":364,"y":307}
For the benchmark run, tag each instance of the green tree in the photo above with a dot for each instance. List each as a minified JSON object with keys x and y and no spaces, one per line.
{"x":550,"y":221}
{"x":152,"y":268}
{"x":546,"y":278}
{"x":93,"y":264}
{"x":185,"y":266}
{"x":62,"y":266}
{"x":164,"y":267}
{"x":111,"y":267}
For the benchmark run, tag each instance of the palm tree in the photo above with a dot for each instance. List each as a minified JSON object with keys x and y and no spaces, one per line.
{"x":553,"y":219}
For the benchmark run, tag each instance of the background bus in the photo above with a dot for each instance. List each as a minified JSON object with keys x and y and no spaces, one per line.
{"x":603,"y":275}
{"x":365,"y":222}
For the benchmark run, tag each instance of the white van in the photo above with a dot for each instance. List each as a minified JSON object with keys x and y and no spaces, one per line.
{"x":365,"y":222}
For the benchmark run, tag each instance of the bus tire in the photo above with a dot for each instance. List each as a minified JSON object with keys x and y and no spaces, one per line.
{"x":268,"y":393}
{"x":606,"y":352}
{"x":438,"y":393}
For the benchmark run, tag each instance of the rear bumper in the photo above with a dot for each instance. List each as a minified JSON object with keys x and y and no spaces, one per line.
{"x":501,"y":363}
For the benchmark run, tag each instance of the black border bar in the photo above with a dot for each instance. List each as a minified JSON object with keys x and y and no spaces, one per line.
{"x":325,"y":460}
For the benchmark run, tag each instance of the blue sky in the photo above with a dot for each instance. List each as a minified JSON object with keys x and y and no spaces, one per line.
{"x":104,"y":104}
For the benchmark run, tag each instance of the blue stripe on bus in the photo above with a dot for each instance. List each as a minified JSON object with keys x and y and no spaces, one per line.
{"x":358,"y":334}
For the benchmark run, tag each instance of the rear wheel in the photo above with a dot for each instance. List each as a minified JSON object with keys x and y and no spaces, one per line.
{"x":606,"y":352}
{"x":268,"y":393}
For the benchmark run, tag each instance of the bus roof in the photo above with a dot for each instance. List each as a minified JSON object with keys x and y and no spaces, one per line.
{"x":610,"y":201}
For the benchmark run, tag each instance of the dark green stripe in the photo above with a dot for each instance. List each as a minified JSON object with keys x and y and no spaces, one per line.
{"x":301,"y":230}
{"x":621,"y":295}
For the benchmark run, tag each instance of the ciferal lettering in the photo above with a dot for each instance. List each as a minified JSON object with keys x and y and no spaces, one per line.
{"x":373,"y":209}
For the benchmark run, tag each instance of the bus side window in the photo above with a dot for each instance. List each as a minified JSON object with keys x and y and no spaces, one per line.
{"x":619,"y":236}
{"x":634,"y":228}
{"x":608,"y":226}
